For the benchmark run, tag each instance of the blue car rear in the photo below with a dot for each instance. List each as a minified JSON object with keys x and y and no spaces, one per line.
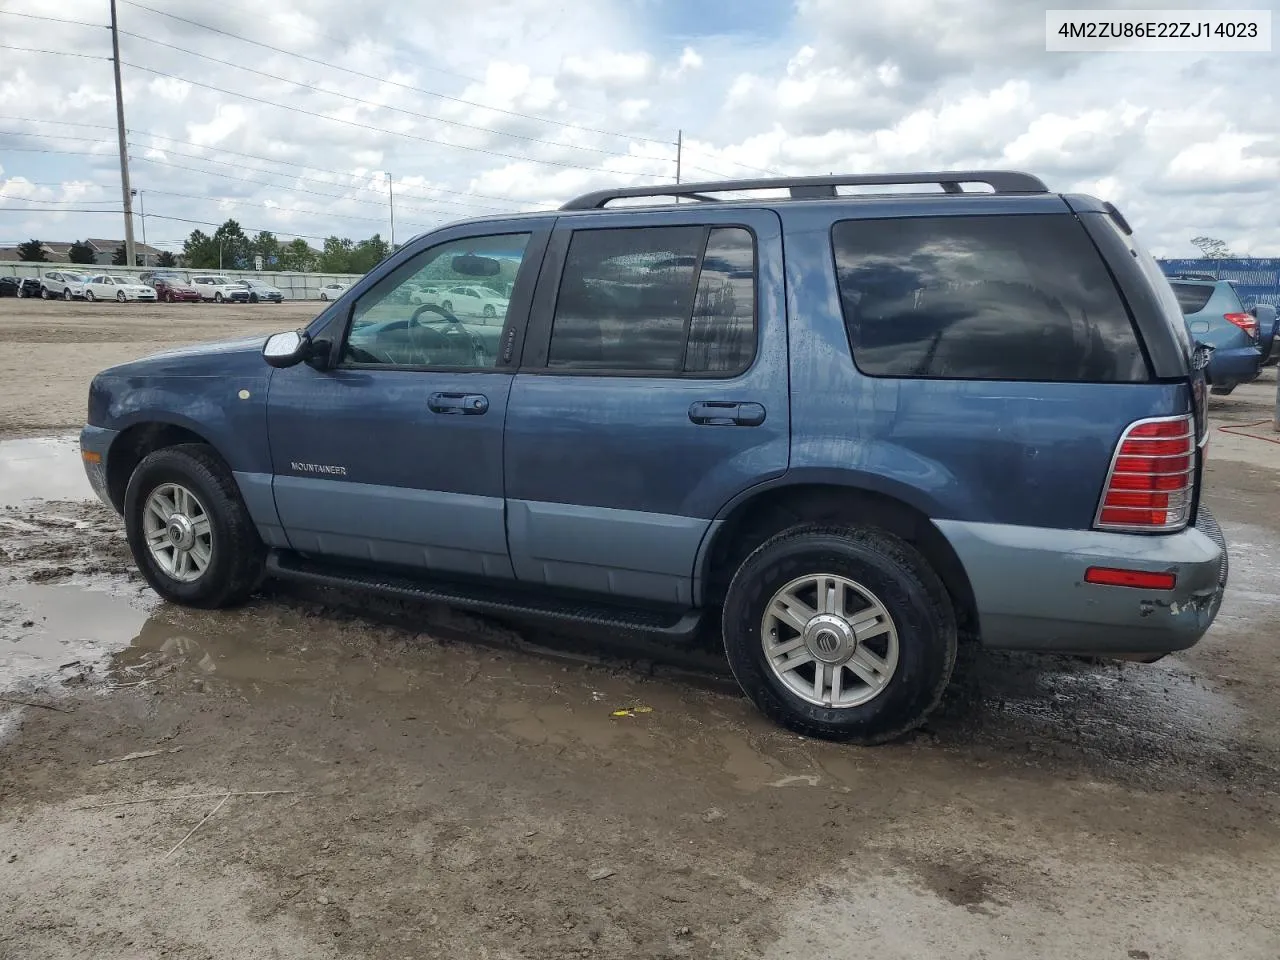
{"x":1216,"y":317}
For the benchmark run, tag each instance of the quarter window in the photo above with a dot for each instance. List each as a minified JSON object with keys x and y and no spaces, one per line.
{"x":446,"y":307}
{"x":676,"y":300}
{"x":983,"y":297}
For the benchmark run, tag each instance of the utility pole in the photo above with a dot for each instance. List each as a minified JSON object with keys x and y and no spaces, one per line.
{"x":679,"y":151}
{"x":391,"y":196}
{"x":142,"y":211}
{"x":129,"y":254}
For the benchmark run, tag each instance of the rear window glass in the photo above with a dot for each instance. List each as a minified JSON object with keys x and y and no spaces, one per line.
{"x":1192,"y":296}
{"x":989,"y":298}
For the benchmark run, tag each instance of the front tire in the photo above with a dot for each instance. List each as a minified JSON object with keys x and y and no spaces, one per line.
{"x":253,"y":298}
{"x":189,"y":531}
{"x":217,"y":297}
{"x":66,"y":294}
{"x":168,"y":296}
{"x":842,"y":633}
{"x":121,"y":297}
{"x":324,"y":297}
{"x":44,"y":293}
{"x":88,"y":295}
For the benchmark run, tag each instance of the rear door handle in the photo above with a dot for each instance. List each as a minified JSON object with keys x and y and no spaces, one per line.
{"x":726,"y":413}
{"x":472,"y":404}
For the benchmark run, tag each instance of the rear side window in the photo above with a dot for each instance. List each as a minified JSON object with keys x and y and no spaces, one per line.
{"x":1192,"y":296}
{"x":674,"y":300}
{"x":983,"y":298}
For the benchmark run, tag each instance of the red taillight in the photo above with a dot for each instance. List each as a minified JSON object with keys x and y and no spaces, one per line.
{"x":1149,"y":486}
{"x":1245,"y":321}
{"x":1115,"y":577}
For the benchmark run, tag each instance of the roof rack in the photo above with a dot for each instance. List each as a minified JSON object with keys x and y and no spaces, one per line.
{"x":815,"y":188}
{"x":1192,"y":276}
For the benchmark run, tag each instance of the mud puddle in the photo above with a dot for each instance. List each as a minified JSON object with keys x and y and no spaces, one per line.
{"x":47,"y":468}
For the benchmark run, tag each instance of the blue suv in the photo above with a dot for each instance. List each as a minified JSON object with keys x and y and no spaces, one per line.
{"x":838,"y":430}
{"x":1241,"y":339}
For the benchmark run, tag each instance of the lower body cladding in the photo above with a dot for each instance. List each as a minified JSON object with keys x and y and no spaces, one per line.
{"x":1031,"y":590}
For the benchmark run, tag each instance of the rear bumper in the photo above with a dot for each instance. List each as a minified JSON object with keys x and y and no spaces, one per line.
{"x":1232,"y":365}
{"x":1029,"y":586}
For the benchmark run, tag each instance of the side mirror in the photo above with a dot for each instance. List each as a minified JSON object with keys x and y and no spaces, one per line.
{"x":287,"y":349}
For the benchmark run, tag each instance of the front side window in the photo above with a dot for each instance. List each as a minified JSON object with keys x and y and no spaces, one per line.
{"x":675,"y":300}
{"x":416,"y":316}
{"x":983,"y":297}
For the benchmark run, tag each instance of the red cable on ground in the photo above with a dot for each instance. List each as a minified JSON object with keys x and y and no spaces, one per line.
{"x":1236,"y":427}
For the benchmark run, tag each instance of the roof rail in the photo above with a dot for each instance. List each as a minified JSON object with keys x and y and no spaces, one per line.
{"x":1192,"y":276}
{"x":811,"y":188}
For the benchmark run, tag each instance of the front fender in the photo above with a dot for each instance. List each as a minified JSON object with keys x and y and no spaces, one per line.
{"x":229,"y":412}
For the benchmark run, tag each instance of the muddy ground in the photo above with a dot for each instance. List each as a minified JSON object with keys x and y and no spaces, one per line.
{"x":456,"y":787}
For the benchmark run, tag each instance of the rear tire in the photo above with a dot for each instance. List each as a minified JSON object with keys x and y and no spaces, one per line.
{"x":237,"y":556}
{"x":914,"y":653}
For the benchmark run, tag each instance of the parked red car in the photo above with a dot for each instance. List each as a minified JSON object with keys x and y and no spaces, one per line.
{"x":171,"y":288}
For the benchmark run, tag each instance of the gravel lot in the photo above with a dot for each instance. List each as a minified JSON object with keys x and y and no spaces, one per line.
{"x":456,"y":787}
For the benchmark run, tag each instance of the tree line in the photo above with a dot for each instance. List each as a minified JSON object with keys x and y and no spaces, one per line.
{"x":230,"y":248}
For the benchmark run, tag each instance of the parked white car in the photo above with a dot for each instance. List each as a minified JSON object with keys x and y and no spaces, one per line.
{"x":62,"y":284}
{"x":332,"y":291}
{"x":108,"y":287}
{"x":471,"y":301}
{"x":215,"y":287}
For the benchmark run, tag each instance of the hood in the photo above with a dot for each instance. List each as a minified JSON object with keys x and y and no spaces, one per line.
{"x":223,"y":358}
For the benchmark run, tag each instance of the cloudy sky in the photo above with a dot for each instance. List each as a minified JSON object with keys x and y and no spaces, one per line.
{"x":484,"y":106}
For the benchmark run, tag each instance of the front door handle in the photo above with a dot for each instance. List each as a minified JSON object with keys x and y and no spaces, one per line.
{"x":726,"y":413}
{"x":472,"y":404}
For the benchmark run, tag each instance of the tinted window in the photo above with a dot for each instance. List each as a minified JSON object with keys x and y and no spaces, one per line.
{"x":404,"y":321}
{"x":722,"y":336}
{"x":995,"y":298}
{"x":656,"y":299}
{"x":1192,"y":296}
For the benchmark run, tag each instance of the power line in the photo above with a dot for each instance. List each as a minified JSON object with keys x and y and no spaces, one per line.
{"x":277,"y":186}
{"x":251,"y":156}
{"x":383,"y":80}
{"x":56,"y":53}
{"x":36,"y":16}
{"x":240,"y":178}
{"x":266,"y":206}
{"x":387,"y":106}
{"x":431,"y":93}
{"x":9,"y":196}
{"x":394,"y":133}
{"x":115,"y":212}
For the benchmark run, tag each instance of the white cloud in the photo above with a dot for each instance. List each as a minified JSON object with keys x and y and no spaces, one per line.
{"x":608,"y":68}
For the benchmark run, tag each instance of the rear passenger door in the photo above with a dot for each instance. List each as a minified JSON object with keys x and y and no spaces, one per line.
{"x":652,"y":390}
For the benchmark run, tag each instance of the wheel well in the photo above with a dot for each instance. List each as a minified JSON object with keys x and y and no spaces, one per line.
{"x":128,"y":449}
{"x":755,"y":521}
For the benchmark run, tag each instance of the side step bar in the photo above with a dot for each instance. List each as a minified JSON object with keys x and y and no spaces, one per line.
{"x":516,"y":601}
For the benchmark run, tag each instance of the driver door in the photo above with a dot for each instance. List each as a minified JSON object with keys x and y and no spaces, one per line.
{"x":394,"y":453}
